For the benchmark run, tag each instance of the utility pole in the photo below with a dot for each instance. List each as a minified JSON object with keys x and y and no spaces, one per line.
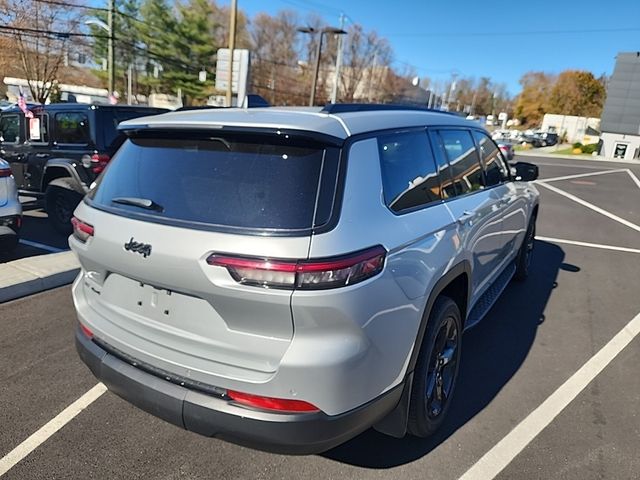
{"x":334,"y":90}
{"x":111,"y":51}
{"x":232,"y":46}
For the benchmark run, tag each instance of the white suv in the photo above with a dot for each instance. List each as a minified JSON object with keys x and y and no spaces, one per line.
{"x":287,"y":278}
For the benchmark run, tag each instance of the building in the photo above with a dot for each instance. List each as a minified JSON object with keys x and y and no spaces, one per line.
{"x":585,"y":130}
{"x":621,"y":116}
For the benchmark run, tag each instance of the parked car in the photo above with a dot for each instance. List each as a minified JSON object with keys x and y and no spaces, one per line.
{"x":286,"y":279}
{"x":547,"y":138}
{"x":58,"y":154}
{"x":10,"y":210}
{"x":507,"y":149}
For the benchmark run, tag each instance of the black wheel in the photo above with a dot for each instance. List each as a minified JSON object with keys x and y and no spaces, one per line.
{"x":60,"y":204}
{"x":437,"y":369}
{"x":523,"y":260}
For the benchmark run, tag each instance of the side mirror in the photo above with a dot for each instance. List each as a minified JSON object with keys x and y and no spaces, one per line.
{"x":524,"y":172}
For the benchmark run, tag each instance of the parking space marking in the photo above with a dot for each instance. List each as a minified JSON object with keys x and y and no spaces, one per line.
{"x":42,"y":246}
{"x":39,"y":437}
{"x":496,"y":459}
{"x":635,"y":179}
{"x":580,"y":175}
{"x":586,"y":167}
{"x":590,"y":245}
{"x":593,"y":207}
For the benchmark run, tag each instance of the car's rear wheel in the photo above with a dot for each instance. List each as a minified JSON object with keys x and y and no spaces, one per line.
{"x":60,"y":204}
{"x":437,"y":369}
{"x":523,"y":260}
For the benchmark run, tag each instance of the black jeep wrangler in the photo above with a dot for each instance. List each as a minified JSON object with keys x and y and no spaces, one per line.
{"x":56,"y":155}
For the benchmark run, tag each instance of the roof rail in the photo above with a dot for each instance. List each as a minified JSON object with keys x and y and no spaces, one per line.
{"x":374,"y":107}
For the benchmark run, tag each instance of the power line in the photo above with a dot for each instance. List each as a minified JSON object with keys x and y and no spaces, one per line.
{"x":96,"y":9}
{"x":51,"y":33}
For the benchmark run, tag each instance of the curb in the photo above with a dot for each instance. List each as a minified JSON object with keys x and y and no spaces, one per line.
{"x":27,"y":276}
{"x":533,"y":153}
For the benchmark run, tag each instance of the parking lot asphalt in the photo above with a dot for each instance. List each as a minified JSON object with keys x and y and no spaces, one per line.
{"x":584,"y":289}
{"x":37,"y":237}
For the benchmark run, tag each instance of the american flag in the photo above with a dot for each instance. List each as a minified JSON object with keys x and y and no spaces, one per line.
{"x":22,"y":103}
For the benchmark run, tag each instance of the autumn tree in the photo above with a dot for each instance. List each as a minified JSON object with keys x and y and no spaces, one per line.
{"x":577,"y":93}
{"x":41,"y":38}
{"x":533,"y":101}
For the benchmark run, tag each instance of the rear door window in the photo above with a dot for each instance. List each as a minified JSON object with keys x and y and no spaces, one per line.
{"x":10,"y":128}
{"x":409,"y":173}
{"x":72,"y":128}
{"x":236,"y":181}
{"x":495,"y":171}
{"x":461,"y":152}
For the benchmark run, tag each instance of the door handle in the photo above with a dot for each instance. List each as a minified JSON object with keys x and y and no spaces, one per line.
{"x":465,"y":217}
{"x":42,"y":155}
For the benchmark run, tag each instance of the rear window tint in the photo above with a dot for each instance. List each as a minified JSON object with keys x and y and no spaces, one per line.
{"x":235,"y":181}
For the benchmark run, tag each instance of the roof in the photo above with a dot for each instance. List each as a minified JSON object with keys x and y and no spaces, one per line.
{"x":339,"y":125}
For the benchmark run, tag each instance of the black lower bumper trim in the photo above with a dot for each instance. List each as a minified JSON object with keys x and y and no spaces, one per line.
{"x":292,"y":433}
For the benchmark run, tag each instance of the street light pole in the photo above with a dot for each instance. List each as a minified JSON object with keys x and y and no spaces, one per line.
{"x":334,"y":91}
{"x":111,"y":59}
{"x":311,"y":30}
{"x":232,"y":46}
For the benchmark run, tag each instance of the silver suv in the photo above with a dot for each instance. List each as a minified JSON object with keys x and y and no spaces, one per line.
{"x":10,"y":209}
{"x":287,"y":278}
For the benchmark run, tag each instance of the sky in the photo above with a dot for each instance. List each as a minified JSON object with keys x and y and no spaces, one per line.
{"x":498,"y":39}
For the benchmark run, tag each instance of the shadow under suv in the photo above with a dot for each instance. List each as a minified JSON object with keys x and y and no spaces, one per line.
{"x":286,"y":278}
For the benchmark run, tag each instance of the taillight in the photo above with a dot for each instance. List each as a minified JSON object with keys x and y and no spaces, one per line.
{"x":99,"y":162}
{"x":5,"y":172}
{"x":303,"y":274}
{"x":88,"y":333}
{"x":269,"y":403}
{"x":82,"y":231}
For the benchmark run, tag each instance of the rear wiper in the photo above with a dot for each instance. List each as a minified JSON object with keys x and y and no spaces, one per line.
{"x":138,"y":202}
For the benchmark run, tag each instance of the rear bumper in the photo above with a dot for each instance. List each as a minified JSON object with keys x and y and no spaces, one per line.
{"x":218,"y":417}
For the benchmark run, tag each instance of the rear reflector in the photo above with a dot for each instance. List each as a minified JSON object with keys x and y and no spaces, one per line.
{"x":86,"y":331}
{"x":269,"y":403}
{"x":303,"y":274}
{"x":5,"y":172}
{"x":82,"y":231}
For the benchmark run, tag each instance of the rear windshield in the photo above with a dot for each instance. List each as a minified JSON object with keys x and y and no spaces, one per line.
{"x":238,"y":182}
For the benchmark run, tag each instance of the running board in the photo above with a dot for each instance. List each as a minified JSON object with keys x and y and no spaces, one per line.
{"x":488,"y":298}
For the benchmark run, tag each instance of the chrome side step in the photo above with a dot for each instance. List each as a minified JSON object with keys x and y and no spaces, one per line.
{"x":488,"y":298}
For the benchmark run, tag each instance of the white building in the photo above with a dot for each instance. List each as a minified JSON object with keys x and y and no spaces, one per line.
{"x":578,"y":129}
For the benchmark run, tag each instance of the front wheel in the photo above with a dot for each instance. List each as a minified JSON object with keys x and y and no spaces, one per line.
{"x":60,"y":204}
{"x":437,"y":369}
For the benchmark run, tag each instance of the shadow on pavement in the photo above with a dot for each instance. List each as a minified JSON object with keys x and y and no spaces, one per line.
{"x":492,"y":353}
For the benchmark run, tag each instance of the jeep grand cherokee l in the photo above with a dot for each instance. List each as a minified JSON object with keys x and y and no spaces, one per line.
{"x":286,"y":278}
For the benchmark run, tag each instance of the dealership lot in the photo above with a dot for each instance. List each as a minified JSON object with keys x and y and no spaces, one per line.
{"x":583,"y":291}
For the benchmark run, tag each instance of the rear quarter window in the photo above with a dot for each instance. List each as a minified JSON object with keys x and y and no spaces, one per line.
{"x":72,"y":128}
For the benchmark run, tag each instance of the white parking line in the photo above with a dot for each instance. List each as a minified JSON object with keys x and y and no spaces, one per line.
{"x":42,"y":246}
{"x":586,"y":167}
{"x":593,"y":207}
{"x":590,"y":245}
{"x":39,"y":437}
{"x":580,"y":175}
{"x":496,"y":459}
{"x":635,"y":179}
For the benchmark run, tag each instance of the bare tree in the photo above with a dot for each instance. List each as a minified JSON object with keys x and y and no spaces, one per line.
{"x":40,"y":36}
{"x":367,"y":58}
{"x":275,"y":72}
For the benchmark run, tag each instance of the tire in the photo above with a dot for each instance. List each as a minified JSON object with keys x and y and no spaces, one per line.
{"x":436,"y":370}
{"x":59,"y":205}
{"x":523,"y":260}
